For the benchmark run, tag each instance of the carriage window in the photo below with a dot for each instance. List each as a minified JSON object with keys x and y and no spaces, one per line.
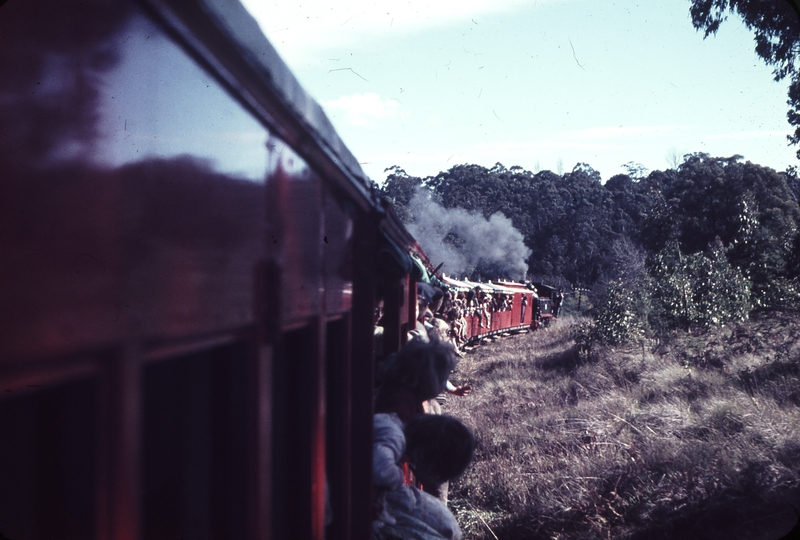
{"x":47,"y":462}
{"x":163,"y":105}
{"x":98,"y":83}
{"x":134,"y":168}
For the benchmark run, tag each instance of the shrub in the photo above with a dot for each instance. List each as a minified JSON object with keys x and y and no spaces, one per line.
{"x":616,"y":321}
{"x":699,"y":289}
{"x":720,"y":291}
{"x":671,"y":288}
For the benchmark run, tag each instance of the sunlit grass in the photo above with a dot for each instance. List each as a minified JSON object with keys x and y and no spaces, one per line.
{"x":694,"y":437}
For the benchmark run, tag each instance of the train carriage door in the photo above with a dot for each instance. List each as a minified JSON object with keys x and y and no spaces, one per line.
{"x":349,"y":240}
{"x":295,"y":239}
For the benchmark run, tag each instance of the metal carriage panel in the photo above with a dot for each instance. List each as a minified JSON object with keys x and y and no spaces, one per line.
{"x":139,"y":210}
{"x":155,"y":234}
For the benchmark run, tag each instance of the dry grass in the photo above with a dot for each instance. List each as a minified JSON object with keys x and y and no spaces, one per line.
{"x":696,"y":437}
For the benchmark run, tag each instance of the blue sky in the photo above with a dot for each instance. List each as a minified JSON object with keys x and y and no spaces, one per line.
{"x":543,"y":84}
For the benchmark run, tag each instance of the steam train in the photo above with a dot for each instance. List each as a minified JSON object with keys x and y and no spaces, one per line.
{"x":191,"y":260}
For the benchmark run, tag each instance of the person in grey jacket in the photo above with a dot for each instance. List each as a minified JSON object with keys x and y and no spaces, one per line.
{"x":437,"y":449}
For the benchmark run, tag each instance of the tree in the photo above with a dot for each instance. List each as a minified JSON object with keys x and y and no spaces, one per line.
{"x":673,"y":158}
{"x":776,"y":24}
{"x":399,"y":189}
{"x":616,"y":320}
{"x":633,"y":200}
{"x":671,"y":286}
{"x":721,"y":292}
{"x":697,"y":289}
{"x":704,"y":198}
{"x":636,"y":171}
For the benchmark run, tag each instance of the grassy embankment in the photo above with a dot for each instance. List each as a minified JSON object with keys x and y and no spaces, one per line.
{"x":695,"y":437}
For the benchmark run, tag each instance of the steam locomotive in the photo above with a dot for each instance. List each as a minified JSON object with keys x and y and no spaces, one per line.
{"x":191,"y":259}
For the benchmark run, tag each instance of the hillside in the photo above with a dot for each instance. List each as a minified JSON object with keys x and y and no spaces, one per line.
{"x":696,"y":436}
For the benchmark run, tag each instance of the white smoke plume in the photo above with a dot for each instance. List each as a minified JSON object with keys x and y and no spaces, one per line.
{"x":466,"y":241}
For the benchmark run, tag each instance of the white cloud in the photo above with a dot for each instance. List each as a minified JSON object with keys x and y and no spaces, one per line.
{"x":362,"y":109}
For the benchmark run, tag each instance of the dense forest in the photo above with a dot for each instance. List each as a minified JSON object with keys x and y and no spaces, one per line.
{"x":699,"y":244}
{"x":702,"y":243}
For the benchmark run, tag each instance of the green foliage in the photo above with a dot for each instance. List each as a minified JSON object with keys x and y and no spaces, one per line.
{"x":751,"y":209}
{"x":569,"y":221}
{"x":671,"y":288}
{"x":583,"y":334}
{"x":764,"y":246}
{"x":617,"y":321}
{"x":586,"y":233}
{"x":721,"y":292}
{"x":398,"y":189}
{"x":698,"y":289}
{"x":637,"y":171}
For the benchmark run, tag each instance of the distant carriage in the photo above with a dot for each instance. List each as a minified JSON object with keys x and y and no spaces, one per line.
{"x":525,"y":307}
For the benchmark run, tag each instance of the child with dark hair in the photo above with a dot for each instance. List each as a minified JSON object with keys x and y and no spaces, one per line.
{"x":418,"y":372}
{"x":439,"y":449}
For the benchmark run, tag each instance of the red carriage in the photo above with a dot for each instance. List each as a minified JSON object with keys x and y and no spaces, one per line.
{"x":191,"y":261}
